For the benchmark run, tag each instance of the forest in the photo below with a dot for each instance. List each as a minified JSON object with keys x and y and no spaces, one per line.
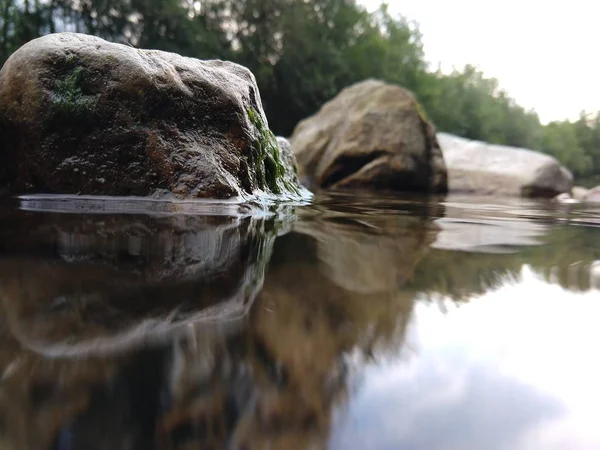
{"x":303,"y":52}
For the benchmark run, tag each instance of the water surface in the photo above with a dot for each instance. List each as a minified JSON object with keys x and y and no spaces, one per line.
{"x":356,"y":322}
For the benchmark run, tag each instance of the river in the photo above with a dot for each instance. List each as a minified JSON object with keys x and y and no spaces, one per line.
{"x":353,"y":322}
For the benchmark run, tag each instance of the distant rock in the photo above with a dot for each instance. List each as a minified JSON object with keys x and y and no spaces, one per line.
{"x":579,"y":193}
{"x":371,"y":135}
{"x":486,"y":169}
{"x":593,"y":195}
{"x":81,"y":115}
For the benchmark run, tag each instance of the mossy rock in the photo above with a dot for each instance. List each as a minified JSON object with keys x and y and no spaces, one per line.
{"x":85,"y":116}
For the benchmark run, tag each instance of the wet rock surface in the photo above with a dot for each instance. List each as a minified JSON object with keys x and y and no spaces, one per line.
{"x":79,"y":115}
{"x":371,"y":135}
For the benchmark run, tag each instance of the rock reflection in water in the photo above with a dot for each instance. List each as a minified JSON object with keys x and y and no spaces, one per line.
{"x":106,"y":281}
{"x":482,"y":246}
{"x":118,"y":331}
{"x":276,"y":383}
{"x":181,"y":331}
{"x":313,"y":319}
{"x":95,"y":308}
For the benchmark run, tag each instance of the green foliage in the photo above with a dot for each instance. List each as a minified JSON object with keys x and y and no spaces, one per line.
{"x":470,"y":105}
{"x":20,"y":22}
{"x":303,"y":53}
{"x":561,"y":141}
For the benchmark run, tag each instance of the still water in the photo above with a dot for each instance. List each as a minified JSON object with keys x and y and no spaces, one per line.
{"x":355,"y":322}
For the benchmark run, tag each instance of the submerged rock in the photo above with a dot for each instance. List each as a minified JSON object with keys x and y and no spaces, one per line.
{"x":82,"y":115}
{"x":486,"y":169}
{"x":372,"y":135}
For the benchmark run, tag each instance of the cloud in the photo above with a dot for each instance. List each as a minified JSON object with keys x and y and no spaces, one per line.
{"x":442,"y":406}
{"x":513,"y":369}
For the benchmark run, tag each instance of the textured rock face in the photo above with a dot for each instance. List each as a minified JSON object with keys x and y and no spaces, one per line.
{"x":372,"y":135}
{"x":482,"y":168}
{"x":81,"y":115}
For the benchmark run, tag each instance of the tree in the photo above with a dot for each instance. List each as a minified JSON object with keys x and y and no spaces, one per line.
{"x":560,"y":140}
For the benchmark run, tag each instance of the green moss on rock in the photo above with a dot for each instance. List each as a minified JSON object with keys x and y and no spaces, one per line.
{"x":270,"y":170}
{"x":68,"y":95}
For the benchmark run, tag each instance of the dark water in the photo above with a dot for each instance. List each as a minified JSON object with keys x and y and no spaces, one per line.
{"x":352,"y":323}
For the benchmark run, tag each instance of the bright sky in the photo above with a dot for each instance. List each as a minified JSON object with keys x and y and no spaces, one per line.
{"x":546,"y":54}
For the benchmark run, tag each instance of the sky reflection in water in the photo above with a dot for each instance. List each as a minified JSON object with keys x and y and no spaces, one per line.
{"x":514,"y":368}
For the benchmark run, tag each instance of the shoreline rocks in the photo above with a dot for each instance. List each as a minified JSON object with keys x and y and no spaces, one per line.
{"x":81,"y":115}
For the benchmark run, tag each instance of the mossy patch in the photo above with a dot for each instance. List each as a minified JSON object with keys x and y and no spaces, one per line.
{"x":68,"y":98}
{"x":270,"y":170}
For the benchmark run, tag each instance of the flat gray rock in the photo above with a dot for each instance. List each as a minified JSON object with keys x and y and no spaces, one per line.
{"x":485,"y":169}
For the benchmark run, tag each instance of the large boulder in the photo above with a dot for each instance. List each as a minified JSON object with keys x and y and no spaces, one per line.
{"x":481,"y":168}
{"x":82,"y":115}
{"x":372,"y":135}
